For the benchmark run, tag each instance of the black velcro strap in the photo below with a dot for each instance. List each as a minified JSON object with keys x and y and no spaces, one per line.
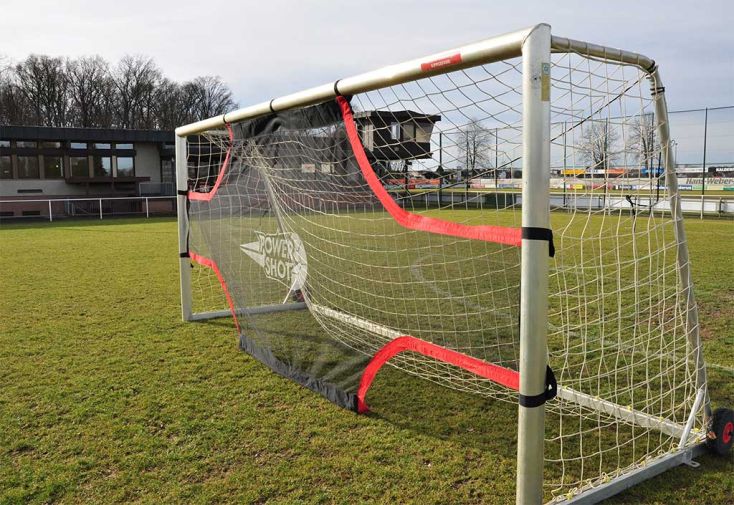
{"x":551,"y":390}
{"x":532,"y":233}
{"x":182,"y":192}
{"x":183,"y":254}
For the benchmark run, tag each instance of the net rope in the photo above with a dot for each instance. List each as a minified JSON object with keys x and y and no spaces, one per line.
{"x":294,"y":220}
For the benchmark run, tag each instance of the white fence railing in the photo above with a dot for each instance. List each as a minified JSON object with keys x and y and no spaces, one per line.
{"x":60,"y":208}
{"x":702,"y":206}
{"x":147,"y":206}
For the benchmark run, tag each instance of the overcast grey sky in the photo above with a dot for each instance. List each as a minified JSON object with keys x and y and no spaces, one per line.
{"x":267,"y":48}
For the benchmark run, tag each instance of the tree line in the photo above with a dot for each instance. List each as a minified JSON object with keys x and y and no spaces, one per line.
{"x":89,"y":92}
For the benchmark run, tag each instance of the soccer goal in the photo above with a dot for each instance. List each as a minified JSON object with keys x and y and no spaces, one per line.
{"x":502,"y":219}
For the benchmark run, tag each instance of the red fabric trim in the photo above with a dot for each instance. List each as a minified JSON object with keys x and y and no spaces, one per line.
{"x":207,"y":197}
{"x":498,"y":234}
{"x":201,"y":260}
{"x":728,"y":430}
{"x":495,"y":373}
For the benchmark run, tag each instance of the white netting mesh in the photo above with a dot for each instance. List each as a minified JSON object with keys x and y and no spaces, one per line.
{"x":294,"y":219}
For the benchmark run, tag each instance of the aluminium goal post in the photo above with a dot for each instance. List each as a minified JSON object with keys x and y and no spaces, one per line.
{"x":498,"y":271}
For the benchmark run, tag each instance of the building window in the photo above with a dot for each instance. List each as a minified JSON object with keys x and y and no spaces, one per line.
{"x":28,"y":167}
{"x":4,"y":143}
{"x":102,"y":166}
{"x":98,"y":145}
{"x":26,"y":143}
{"x":79,"y":166}
{"x":78,"y":145}
{"x":6,"y":167}
{"x":125,"y":166}
{"x":53,"y":167}
{"x":51,"y":143}
{"x":124,"y":146}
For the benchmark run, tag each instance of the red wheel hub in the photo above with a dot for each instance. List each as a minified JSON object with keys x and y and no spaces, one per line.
{"x":727,"y":434}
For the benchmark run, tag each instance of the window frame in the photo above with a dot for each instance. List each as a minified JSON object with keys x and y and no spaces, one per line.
{"x":20,"y":165}
{"x":12,"y":174}
{"x":99,"y":157}
{"x":117,"y":166}
{"x":71,"y":166}
{"x":45,"y":166}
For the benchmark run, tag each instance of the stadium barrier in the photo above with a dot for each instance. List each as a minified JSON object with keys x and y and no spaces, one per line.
{"x":97,"y":208}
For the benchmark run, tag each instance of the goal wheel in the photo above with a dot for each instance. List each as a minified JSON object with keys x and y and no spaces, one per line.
{"x":721,"y":435}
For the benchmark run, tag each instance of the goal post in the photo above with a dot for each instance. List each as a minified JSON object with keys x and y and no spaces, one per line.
{"x":502,"y":219}
{"x":534,"y":262}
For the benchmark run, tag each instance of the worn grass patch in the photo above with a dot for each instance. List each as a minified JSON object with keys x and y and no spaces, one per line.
{"x":105,"y":396}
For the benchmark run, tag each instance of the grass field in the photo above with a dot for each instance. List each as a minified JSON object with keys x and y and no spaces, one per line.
{"x":107,"y":397}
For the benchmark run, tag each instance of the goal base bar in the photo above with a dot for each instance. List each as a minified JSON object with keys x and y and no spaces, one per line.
{"x":624,"y":414}
{"x":248,"y":311}
{"x":628,"y":480}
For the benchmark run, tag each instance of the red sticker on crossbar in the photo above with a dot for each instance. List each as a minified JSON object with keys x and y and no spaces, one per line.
{"x":454,"y":59}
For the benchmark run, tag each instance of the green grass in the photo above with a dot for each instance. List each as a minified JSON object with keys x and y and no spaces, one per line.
{"x":105,"y":396}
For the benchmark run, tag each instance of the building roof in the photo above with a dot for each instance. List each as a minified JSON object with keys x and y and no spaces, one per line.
{"x":84,"y":134}
{"x":397,"y":115}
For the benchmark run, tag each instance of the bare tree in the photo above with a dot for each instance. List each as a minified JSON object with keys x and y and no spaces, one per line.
{"x":42,"y":81}
{"x":597,"y":145}
{"x":168,"y":105}
{"x":91,"y":92}
{"x":135,"y":81}
{"x":474,"y":144}
{"x":13,"y":106}
{"x":86,"y":92}
{"x":642,"y":140}
{"x":214,"y":96}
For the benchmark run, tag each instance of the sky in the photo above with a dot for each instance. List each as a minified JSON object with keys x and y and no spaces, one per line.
{"x":268,"y":48}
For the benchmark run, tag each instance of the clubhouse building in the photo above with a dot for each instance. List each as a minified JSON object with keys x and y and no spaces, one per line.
{"x":42,"y":163}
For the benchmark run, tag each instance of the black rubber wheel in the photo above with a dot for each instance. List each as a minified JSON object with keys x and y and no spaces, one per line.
{"x":721,"y":437}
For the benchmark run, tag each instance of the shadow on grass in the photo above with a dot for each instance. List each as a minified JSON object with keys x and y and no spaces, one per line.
{"x":418,"y":405}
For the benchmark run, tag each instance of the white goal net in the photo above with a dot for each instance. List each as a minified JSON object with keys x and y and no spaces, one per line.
{"x":339,"y":227}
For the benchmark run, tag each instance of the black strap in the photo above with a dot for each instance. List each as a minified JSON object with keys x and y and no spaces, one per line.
{"x":336,"y":88}
{"x":183,"y":254}
{"x":551,"y":390}
{"x":183,"y":192}
{"x":532,"y":233}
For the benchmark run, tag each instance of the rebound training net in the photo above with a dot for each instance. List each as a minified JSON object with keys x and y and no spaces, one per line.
{"x":327,"y":209}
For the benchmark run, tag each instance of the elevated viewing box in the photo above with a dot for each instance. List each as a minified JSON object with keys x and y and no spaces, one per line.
{"x":396,"y":135}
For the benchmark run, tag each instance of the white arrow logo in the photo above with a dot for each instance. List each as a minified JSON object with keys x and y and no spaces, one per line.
{"x":281,"y":255}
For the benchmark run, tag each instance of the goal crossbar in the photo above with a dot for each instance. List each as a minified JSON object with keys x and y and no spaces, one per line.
{"x":486,"y":51}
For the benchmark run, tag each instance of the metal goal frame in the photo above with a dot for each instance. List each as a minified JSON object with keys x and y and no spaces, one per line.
{"x":535,"y":45}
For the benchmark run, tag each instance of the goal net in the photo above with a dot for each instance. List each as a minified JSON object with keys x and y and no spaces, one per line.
{"x":385,"y":225}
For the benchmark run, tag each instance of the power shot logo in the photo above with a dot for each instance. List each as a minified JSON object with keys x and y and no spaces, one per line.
{"x":281,"y":255}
